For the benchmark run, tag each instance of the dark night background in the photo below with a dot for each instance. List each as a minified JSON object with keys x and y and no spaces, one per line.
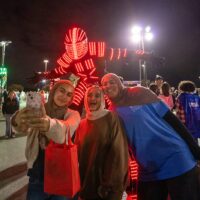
{"x":37,"y":29}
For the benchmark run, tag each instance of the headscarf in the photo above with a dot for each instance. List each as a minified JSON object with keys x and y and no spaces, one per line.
{"x":56,"y":111}
{"x":132,"y":96}
{"x":98,"y":113}
{"x":119,"y":84}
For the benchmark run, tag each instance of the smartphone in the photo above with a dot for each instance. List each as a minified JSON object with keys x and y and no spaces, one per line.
{"x":34,"y":101}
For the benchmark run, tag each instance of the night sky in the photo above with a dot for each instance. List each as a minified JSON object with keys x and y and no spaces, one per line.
{"x":37,"y":30}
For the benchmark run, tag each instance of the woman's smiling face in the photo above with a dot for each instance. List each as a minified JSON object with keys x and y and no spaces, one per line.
{"x":63,"y":95}
{"x":110,"y":87}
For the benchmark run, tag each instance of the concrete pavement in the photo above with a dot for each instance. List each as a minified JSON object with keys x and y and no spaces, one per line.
{"x":11,"y":150}
{"x":2,"y":125}
{"x":12,"y":165}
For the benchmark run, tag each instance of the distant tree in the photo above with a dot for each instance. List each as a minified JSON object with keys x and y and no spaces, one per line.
{"x":15,"y":87}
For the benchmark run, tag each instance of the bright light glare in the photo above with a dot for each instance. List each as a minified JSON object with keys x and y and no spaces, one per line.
{"x":138,"y":34}
{"x":5,"y":43}
{"x":148,"y":29}
{"x":45,"y":61}
{"x":136,"y":38}
{"x":149,"y":36}
{"x":43,"y":81}
{"x":136,"y":29}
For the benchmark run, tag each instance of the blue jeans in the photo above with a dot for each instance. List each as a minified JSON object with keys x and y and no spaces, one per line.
{"x":36,"y":192}
{"x":8,"y":125}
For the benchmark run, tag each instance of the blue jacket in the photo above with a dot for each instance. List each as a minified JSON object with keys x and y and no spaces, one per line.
{"x":191,"y":107}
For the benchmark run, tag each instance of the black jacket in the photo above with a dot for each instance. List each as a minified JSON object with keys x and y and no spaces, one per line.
{"x":10,"y":106}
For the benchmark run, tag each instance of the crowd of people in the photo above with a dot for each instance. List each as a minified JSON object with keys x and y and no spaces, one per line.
{"x":183,"y":102}
{"x":158,"y":127}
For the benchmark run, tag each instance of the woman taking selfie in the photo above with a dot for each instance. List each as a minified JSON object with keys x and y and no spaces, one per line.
{"x":56,"y":118}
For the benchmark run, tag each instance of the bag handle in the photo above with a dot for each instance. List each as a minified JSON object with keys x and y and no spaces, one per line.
{"x":69,"y":138}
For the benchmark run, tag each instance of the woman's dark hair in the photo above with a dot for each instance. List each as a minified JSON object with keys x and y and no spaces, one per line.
{"x":187,"y":86}
{"x":165,"y":89}
{"x":154,"y":88}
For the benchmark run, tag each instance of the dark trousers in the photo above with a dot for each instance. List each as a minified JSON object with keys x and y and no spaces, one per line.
{"x":184,"y":187}
{"x":36,"y":192}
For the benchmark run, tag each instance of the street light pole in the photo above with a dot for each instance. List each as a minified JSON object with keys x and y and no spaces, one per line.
{"x":138,"y":36}
{"x":3,"y":77}
{"x":141,"y":63}
{"x":3,"y":44}
{"x":45,"y":64}
{"x":3,"y":54}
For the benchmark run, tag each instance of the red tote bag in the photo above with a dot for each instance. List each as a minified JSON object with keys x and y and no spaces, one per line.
{"x":61,"y":174}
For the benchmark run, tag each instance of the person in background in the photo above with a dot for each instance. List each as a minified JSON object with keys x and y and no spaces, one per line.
{"x":40,"y":129}
{"x":5,"y":94}
{"x":188,"y":108}
{"x":164,"y":149}
{"x":166,"y":95}
{"x":154,"y":88}
{"x":17,"y":92}
{"x":159,"y":82}
{"x":103,"y":150}
{"x":10,"y":106}
{"x":22,"y":100}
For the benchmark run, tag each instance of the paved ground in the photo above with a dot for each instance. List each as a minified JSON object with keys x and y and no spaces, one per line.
{"x":2,"y":125}
{"x":11,"y":155}
{"x":3,"y":129}
{"x":11,"y":150}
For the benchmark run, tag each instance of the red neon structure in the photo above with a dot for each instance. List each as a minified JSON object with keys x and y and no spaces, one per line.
{"x":84,"y":59}
{"x":134,"y":179}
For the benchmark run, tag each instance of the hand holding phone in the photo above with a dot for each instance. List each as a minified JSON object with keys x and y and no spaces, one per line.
{"x":34,"y":101}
